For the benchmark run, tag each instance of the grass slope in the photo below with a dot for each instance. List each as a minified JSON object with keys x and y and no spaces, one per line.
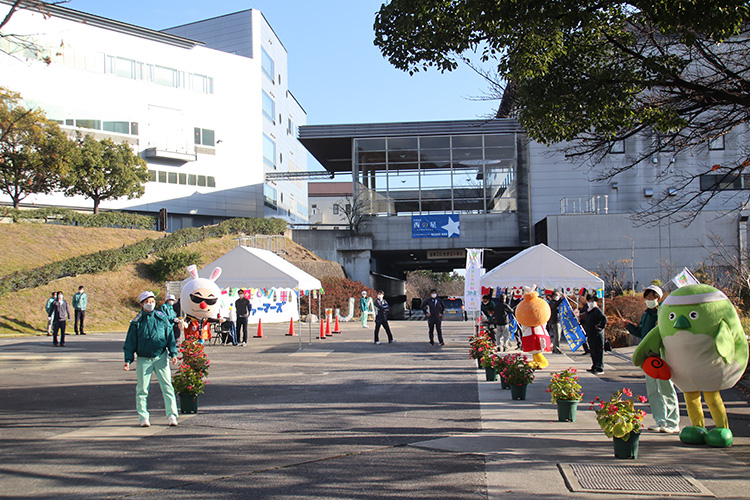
{"x":112,"y":302}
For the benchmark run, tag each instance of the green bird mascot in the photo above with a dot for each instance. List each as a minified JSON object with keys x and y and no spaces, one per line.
{"x":705,"y":349}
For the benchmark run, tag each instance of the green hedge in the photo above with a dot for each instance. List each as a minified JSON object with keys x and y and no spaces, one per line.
{"x":110,"y":260}
{"x":71,"y":217}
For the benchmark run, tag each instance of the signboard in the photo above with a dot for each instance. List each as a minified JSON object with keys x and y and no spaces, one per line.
{"x":570,"y":326}
{"x":435,"y":226}
{"x":685,"y":278}
{"x":472,"y":285}
{"x":270,"y":305}
{"x":458,"y":253}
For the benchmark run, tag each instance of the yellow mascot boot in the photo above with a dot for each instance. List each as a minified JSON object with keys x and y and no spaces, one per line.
{"x":696,"y":433}
{"x":721,"y":436}
{"x":540,"y":360}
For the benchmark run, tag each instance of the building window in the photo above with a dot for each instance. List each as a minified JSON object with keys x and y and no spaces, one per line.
{"x":162,"y":176}
{"x":618,"y":147}
{"x":172,"y":177}
{"x":191,"y":180}
{"x":211,"y":181}
{"x":204,"y":137}
{"x":269,"y":107}
{"x":716,"y":144}
{"x":269,"y":151}
{"x":116,"y":127}
{"x":266,"y":64}
{"x":92,"y":124}
{"x":289,"y":127}
{"x":269,"y":196}
{"x":202,"y":180}
{"x":335,"y":209}
{"x":125,"y":68}
{"x":203,"y":84}
{"x":302,"y":210}
{"x":152,"y":175}
{"x":182,"y":179}
{"x":165,"y":76}
{"x":720,"y":182}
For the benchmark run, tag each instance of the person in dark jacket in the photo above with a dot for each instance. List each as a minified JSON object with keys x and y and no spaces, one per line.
{"x":502,"y":310}
{"x":48,"y":310}
{"x":661,"y":394}
{"x":243,"y":309}
{"x":593,"y":325}
{"x":60,"y":313}
{"x":433,"y":309}
{"x":553,"y":325}
{"x":381,"y":317}
{"x":150,"y":337}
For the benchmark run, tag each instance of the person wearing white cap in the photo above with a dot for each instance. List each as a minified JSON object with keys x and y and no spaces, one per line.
{"x":150,"y":336}
{"x":662,"y":397}
{"x":168,"y":309}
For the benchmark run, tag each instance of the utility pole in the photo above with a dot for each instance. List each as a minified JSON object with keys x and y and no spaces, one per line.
{"x":632,"y":265}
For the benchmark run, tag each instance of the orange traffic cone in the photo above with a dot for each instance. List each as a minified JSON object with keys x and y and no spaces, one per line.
{"x":322,"y":332}
{"x":291,"y":328}
{"x":328,"y":327}
{"x":336,"y":326}
{"x":260,"y":330}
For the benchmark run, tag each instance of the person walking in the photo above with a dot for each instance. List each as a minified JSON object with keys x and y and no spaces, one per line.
{"x":433,"y":308}
{"x":502,"y":310}
{"x":48,"y":310}
{"x":150,"y":337}
{"x":60,"y":313}
{"x":381,"y":317}
{"x":661,"y":394}
{"x":243,"y":309}
{"x":80,"y":301}
{"x":593,"y":325}
{"x":553,"y":325}
{"x":364,"y":307}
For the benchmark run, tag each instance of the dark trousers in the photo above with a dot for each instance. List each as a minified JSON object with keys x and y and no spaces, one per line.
{"x":241,"y":327}
{"x":385,"y":327}
{"x":58,"y":325}
{"x":435,"y":325}
{"x":596,"y":347}
{"x":79,"y":316}
{"x":228,"y":331}
{"x":176,"y":330}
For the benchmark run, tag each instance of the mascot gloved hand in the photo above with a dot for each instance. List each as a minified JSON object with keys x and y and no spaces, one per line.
{"x":706,"y":350}
{"x":199,"y":301}
{"x":533,"y":313}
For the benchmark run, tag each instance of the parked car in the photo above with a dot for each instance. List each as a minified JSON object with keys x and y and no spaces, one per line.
{"x":454,"y":309}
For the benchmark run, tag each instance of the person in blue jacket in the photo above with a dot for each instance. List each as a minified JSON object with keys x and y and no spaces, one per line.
{"x":150,"y":336}
{"x":381,"y":317}
{"x":433,"y":309}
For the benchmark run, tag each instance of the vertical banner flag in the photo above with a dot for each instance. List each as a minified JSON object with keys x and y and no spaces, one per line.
{"x":685,"y":278}
{"x":513,"y":327}
{"x":472,"y":285}
{"x":572,"y":330}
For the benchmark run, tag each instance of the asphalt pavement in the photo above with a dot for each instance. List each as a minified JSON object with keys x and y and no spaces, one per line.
{"x":341,"y":418}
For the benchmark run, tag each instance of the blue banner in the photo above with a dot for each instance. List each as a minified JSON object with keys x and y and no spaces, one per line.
{"x":570,"y":326}
{"x":435,"y":226}
{"x":513,"y":327}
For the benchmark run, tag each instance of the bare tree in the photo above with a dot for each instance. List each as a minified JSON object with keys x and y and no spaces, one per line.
{"x":26,"y":42}
{"x":355,"y":208}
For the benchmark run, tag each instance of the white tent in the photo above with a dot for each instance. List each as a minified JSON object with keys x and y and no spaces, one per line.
{"x":540,"y":265}
{"x":251,"y":267}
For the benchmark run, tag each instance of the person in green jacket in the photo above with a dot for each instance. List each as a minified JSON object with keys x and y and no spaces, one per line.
{"x":168,"y":309}
{"x":150,"y":337}
{"x":80,"y":301}
{"x":364,"y":307}
{"x":661,"y":394}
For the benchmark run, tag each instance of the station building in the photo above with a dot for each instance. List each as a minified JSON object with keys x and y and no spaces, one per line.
{"x":207,"y":105}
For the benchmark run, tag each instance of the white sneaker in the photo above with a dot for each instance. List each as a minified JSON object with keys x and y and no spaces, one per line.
{"x":655,"y":428}
{"x":145,"y":422}
{"x":669,"y":430}
{"x":172,"y":421}
{"x":378,"y":342}
{"x":243,"y":344}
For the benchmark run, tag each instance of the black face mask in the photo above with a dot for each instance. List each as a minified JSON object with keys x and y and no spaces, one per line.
{"x":198,"y":300}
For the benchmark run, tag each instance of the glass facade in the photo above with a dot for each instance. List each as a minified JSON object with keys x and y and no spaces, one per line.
{"x":436,"y":174}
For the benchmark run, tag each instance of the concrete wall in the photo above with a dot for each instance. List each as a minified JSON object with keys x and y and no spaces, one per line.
{"x":595,"y":241}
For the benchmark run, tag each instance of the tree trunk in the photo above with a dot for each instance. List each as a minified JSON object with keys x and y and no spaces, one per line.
{"x":96,"y":205}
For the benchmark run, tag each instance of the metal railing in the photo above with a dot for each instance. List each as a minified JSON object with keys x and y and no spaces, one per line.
{"x":584,"y":205}
{"x":275,"y":244}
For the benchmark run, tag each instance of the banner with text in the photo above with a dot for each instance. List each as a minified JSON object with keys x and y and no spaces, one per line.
{"x":570,"y":326}
{"x":472,"y":286}
{"x":435,"y":226}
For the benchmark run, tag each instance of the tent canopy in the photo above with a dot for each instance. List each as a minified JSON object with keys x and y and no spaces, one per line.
{"x":540,"y":265}
{"x":251,"y":267}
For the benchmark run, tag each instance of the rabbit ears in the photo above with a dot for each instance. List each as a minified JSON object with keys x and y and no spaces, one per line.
{"x":193,"y":271}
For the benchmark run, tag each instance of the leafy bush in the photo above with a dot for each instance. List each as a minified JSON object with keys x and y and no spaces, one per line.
{"x":171,"y":266}
{"x":70,"y":217}
{"x":337,"y":294}
{"x":188,"y":379}
{"x":111,"y":260}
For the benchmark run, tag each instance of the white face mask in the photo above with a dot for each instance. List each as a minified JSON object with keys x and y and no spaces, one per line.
{"x":380,"y":297}
{"x":434,"y":295}
{"x":148,"y":307}
{"x":60,"y":298}
{"x":652,"y":303}
{"x":555,"y":297}
{"x":591,"y":305}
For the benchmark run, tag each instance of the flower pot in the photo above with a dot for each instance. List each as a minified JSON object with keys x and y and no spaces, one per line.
{"x":629,"y":448}
{"x":491,"y":374}
{"x":505,"y":383}
{"x":566,"y":410}
{"x":518,"y":391}
{"x":188,"y":403}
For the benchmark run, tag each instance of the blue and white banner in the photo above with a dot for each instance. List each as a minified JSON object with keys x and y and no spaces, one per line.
{"x":435,"y":226}
{"x":472,"y":284}
{"x":570,"y":326}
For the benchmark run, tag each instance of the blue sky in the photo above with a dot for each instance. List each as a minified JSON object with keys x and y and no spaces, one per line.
{"x":335,"y":71}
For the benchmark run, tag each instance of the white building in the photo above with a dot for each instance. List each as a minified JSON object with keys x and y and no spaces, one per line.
{"x":210,"y":117}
